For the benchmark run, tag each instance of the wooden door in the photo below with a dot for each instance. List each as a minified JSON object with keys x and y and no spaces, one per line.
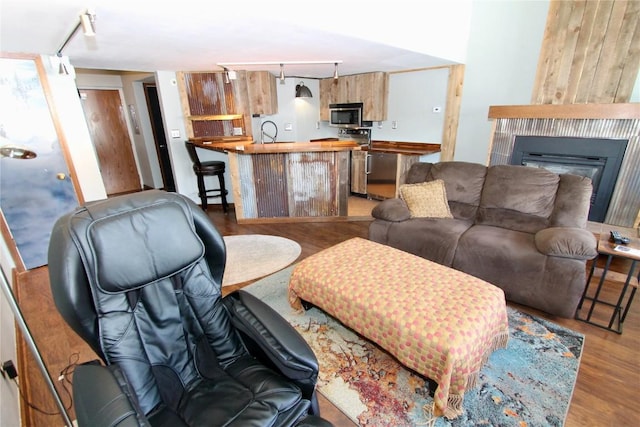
{"x":104,"y":113}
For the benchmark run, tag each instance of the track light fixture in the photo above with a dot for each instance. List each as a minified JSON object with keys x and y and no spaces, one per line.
{"x":88,"y":23}
{"x":224,"y":65}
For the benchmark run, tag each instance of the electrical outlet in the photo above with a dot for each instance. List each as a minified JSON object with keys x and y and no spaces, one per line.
{"x":9,"y":368}
{"x":394,"y":124}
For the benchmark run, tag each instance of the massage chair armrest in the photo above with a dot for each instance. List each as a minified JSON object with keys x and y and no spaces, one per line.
{"x":394,"y":210}
{"x":271,"y":339}
{"x":567,"y":242}
{"x":102,"y":398}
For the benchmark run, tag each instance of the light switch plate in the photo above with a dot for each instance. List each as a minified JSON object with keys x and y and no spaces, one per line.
{"x":175,"y":133}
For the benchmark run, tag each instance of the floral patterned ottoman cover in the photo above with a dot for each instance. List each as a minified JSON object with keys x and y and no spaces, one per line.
{"x":440,"y":322}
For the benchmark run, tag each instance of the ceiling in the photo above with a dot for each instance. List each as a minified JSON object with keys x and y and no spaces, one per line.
{"x":193,"y":35}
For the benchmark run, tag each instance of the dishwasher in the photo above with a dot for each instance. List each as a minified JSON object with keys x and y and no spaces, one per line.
{"x":381,"y":177}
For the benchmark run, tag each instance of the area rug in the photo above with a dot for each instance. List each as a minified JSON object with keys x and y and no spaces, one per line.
{"x":530,"y":383}
{"x":252,"y":256}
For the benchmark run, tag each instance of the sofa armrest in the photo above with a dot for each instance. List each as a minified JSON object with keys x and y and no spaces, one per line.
{"x":567,"y":242}
{"x":394,"y":210}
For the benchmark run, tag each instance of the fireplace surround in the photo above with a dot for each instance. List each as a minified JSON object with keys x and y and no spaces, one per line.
{"x":585,"y":122}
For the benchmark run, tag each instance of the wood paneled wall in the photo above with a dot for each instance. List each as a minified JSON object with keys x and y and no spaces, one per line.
{"x":590,"y":52}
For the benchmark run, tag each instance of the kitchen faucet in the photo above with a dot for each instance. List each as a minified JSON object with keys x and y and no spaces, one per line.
{"x":263,"y":133}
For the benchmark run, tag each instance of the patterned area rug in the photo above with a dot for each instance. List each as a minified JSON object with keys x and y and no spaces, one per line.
{"x":530,"y":383}
{"x":251,"y":256}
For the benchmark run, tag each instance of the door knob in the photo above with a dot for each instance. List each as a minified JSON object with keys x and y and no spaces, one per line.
{"x":61,"y":176}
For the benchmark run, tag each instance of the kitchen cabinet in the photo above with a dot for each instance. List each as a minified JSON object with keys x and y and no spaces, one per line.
{"x":263,"y":95}
{"x":359,"y":172}
{"x":369,"y":88}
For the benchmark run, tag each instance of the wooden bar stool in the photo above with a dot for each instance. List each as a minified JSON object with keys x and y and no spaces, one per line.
{"x":208,"y":168}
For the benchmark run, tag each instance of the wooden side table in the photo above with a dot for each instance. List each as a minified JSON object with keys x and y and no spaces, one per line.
{"x":620,"y":308}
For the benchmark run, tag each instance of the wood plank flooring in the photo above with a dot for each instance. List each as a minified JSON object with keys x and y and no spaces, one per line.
{"x":606,"y":392}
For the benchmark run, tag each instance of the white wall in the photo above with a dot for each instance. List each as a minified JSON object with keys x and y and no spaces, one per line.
{"x":303,"y":114}
{"x":504,"y":45}
{"x":9,"y":397}
{"x":412,"y":96}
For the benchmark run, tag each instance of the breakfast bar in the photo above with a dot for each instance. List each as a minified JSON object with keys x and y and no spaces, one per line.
{"x":287,"y":181}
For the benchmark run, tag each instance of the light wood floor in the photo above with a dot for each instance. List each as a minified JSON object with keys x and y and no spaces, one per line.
{"x":606,"y":392}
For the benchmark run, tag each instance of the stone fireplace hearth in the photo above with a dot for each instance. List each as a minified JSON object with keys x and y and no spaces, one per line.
{"x":605,"y":121}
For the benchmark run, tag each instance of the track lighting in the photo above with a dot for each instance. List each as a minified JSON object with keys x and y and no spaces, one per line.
{"x":88,"y":23}
{"x":224,"y":65}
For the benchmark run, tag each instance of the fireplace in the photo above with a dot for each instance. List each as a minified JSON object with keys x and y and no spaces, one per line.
{"x":579,"y":122}
{"x":596,"y":158}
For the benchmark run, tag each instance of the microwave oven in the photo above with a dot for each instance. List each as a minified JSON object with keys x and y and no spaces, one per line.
{"x":347,"y":115}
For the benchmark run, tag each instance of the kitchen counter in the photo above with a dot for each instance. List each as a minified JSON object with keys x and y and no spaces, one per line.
{"x":249,"y":147}
{"x":287,"y":181}
{"x":408,"y":148}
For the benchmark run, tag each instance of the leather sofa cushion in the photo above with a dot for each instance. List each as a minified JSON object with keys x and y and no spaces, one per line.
{"x":518,"y":198}
{"x":433,"y":239}
{"x":463,"y":183}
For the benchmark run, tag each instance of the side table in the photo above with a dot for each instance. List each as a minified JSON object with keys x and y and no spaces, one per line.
{"x":620,"y":308}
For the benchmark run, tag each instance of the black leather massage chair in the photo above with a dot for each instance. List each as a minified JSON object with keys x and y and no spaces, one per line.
{"x":138,"y":277}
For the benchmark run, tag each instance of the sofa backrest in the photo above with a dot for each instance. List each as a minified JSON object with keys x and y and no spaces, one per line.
{"x":518,"y":198}
{"x":508,"y":196}
{"x":463,"y":183}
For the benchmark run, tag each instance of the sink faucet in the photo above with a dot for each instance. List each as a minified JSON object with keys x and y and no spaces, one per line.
{"x":264,"y":133}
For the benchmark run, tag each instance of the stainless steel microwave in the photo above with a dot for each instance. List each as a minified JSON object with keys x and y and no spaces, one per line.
{"x":346,"y":115}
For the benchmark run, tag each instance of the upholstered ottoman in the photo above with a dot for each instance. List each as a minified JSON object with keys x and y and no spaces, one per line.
{"x":440,"y":322}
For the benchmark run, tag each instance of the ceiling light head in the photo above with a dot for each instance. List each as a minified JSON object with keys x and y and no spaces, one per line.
{"x":335,"y":70}
{"x":15,"y":152}
{"x":62,"y":67}
{"x":302,"y":91}
{"x":281,"y":74}
{"x":88,"y":22}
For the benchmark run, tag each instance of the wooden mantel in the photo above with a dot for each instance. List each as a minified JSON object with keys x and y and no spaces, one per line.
{"x":566,"y":111}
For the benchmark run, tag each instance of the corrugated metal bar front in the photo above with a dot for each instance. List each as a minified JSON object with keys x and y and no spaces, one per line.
{"x":271,"y":189}
{"x":312,"y":182}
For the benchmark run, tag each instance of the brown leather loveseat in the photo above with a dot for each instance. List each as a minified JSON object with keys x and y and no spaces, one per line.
{"x":522,"y":229}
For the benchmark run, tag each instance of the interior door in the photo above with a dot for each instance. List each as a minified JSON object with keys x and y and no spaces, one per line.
{"x":35,"y":189}
{"x":157,"y":126}
{"x":104,"y":113}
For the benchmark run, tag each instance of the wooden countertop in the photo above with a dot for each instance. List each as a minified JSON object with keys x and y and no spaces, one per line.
{"x":408,"y":148}
{"x":244,"y":147}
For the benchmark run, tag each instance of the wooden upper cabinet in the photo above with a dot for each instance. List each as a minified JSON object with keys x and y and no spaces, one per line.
{"x":263,"y":95}
{"x":371,"y":89}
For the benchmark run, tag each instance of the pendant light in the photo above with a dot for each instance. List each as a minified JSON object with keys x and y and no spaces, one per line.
{"x":302,"y":91}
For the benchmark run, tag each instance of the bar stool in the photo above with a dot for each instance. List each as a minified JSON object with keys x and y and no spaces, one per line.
{"x":208,"y":168}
